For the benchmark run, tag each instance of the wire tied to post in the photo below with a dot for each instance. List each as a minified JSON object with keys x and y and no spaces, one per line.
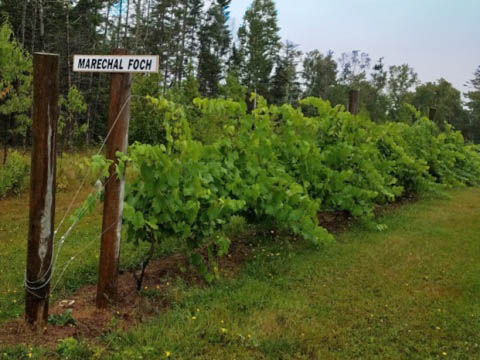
{"x":35,"y":286}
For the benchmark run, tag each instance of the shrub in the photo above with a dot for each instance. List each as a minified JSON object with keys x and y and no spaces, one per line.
{"x":14,"y":174}
{"x":279,"y":166}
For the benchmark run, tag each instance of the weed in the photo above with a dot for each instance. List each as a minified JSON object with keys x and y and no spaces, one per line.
{"x":62,"y":319}
{"x":72,"y":349}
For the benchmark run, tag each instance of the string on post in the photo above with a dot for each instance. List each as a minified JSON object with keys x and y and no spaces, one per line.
{"x":45,"y":279}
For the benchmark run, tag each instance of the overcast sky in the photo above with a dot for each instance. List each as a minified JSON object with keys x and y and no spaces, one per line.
{"x":438,"y":38}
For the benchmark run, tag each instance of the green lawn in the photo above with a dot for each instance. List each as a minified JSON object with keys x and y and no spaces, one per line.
{"x":410,"y":292}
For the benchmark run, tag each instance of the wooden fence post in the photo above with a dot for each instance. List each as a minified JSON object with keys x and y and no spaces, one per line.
{"x":354,"y":101}
{"x":42,"y":188}
{"x":118,"y":118}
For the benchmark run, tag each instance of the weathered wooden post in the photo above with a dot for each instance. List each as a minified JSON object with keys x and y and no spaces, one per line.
{"x":120,"y":66}
{"x":118,"y":118}
{"x":42,"y":188}
{"x":354,"y":101}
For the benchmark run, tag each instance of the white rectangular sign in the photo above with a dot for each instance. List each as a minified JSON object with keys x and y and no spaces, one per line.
{"x":116,"y":63}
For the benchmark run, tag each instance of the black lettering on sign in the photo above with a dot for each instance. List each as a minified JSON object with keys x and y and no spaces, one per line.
{"x":115,"y":63}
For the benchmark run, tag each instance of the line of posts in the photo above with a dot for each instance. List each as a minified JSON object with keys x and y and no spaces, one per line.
{"x":39,"y":267}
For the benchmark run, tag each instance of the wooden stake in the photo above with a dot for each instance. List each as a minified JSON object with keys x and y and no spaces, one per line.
{"x":118,"y":118}
{"x":42,"y":187}
{"x":354,"y":101}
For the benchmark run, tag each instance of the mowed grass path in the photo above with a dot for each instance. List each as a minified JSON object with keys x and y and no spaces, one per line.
{"x":410,"y":292}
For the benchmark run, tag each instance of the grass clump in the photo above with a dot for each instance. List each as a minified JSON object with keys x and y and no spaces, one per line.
{"x":14,"y":175}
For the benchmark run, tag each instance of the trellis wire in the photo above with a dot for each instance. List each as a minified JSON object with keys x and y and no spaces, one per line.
{"x":29,"y":285}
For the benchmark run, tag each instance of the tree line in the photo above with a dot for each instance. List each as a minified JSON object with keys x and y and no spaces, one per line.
{"x":200,"y":55}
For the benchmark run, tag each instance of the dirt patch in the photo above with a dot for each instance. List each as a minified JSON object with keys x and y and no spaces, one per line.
{"x":130,"y":308}
{"x":339,"y":221}
{"x":382,"y":210}
{"x":335,"y":221}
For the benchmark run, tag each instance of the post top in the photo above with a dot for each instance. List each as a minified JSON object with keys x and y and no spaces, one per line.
{"x":120,"y":51}
{"x":45,"y":54}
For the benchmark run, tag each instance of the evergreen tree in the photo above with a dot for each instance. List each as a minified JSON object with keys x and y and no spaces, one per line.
{"x":259,"y":45}
{"x":15,"y":89}
{"x":473,"y":104}
{"x":234,"y":62}
{"x":187,"y":20}
{"x":170,"y":30}
{"x":214,"y":44}
{"x":161,"y":39}
{"x":285,"y":85}
{"x":475,"y":82}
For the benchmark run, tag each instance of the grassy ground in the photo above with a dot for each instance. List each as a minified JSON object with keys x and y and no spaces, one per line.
{"x":13,"y":240}
{"x":83,"y":242}
{"x":410,"y":292}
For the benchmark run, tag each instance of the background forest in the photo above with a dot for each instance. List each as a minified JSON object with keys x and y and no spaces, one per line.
{"x":199,"y":56}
